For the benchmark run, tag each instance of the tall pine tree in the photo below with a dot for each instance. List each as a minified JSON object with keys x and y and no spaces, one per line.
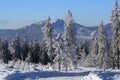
{"x":48,"y":36}
{"x":16,"y":48}
{"x":6,"y":56}
{"x":25,"y":49}
{"x":102,"y":47}
{"x":91,"y":59}
{"x":116,"y":33}
{"x":69,"y":38}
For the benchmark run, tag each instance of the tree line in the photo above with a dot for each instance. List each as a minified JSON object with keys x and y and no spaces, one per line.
{"x":32,"y":52}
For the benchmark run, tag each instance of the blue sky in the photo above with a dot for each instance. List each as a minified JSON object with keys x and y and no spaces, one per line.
{"x":18,"y":13}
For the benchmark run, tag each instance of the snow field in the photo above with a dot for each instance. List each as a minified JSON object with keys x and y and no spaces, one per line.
{"x":24,"y":71}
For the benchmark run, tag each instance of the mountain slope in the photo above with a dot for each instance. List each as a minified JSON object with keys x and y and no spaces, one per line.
{"x":35,"y":31}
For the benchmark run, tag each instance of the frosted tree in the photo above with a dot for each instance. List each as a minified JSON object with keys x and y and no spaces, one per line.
{"x":116,"y":33}
{"x":48,"y":36}
{"x":83,"y":50}
{"x":29,"y":59}
{"x":58,"y":45}
{"x":91,"y":59}
{"x":94,"y":44}
{"x":44,"y":59}
{"x":69,"y":38}
{"x":102,"y":47}
{"x":6,"y":56}
{"x":25,"y":49}
{"x":16,"y":48}
{"x":35,"y":52}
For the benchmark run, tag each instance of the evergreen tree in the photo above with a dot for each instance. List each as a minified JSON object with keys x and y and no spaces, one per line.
{"x":44,"y":59}
{"x":25,"y":49}
{"x":102,"y":47}
{"x":83,"y":50}
{"x":16,"y":48}
{"x":91,"y":59}
{"x":6,"y":56}
{"x":58,"y":45}
{"x":36,"y":52}
{"x":48,"y":36}
{"x":69,"y":38}
{"x":30,"y":53}
{"x":116,"y":33}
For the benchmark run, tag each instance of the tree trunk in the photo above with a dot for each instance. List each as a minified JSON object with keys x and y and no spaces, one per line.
{"x":66,"y":68}
{"x":59,"y":66}
{"x":118,"y":60}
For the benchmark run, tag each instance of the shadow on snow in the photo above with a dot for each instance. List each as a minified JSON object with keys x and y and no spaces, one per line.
{"x":108,"y":75}
{"x":43,"y":74}
{"x":49,"y":74}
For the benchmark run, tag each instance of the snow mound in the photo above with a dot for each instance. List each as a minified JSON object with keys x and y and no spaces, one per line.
{"x":117,"y":77}
{"x":91,"y":76}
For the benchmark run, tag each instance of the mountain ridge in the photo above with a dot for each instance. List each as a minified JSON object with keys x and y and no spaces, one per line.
{"x":34,"y":31}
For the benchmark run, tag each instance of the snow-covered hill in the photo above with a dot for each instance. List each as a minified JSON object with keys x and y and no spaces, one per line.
{"x":34,"y":31}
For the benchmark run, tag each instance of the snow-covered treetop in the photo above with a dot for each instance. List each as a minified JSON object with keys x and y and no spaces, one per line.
{"x":116,"y":4}
{"x":69,"y":13}
{"x":115,"y":15}
{"x":101,"y":26}
{"x":101,"y":29}
{"x":25,"y":39}
{"x":48,"y":22}
{"x":116,"y":10}
{"x":48,"y":29}
{"x":17,"y":37}
{"x":68,"y":19}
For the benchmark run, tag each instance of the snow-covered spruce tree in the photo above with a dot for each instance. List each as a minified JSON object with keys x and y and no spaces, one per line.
{"x":58,"y":45}
{"x":29,"y":59}
{"x":102,"y":47}
{"x":48,"y":36}
{"x":25,"y":49}
{"x":91,"y":59}
{"x":110,"y":55}
{"x":116,"y":33}
{"x":83,"y":51}
{"x":35,"y":54}
{"x":6,"y":56}
{"x":16,"y":48}
{"x":69,"y":38}
{"x":44,"y":59}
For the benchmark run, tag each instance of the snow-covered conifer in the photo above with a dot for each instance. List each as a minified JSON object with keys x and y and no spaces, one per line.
{"x":25,"y":49}
{"x":16,"y":48}
{"x":35,"y":52}
{"x":83,"y":51}
{"x":6,"y":56}
{"x":44,"y":59}
{"x":116,"y":33}
{"x":48,"y":36}
{"x":91,"y":59}
{"x":58,"y":45}
{"x":69,"y":38}
{"x":29,"y":59}
{"x":102,"y":47}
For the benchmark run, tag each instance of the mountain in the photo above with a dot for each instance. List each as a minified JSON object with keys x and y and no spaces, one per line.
{"x":35,"y":31}
{"x":108,"y":28}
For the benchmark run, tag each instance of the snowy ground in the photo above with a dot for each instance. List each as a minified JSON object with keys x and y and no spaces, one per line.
{"x":24,"y":71}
